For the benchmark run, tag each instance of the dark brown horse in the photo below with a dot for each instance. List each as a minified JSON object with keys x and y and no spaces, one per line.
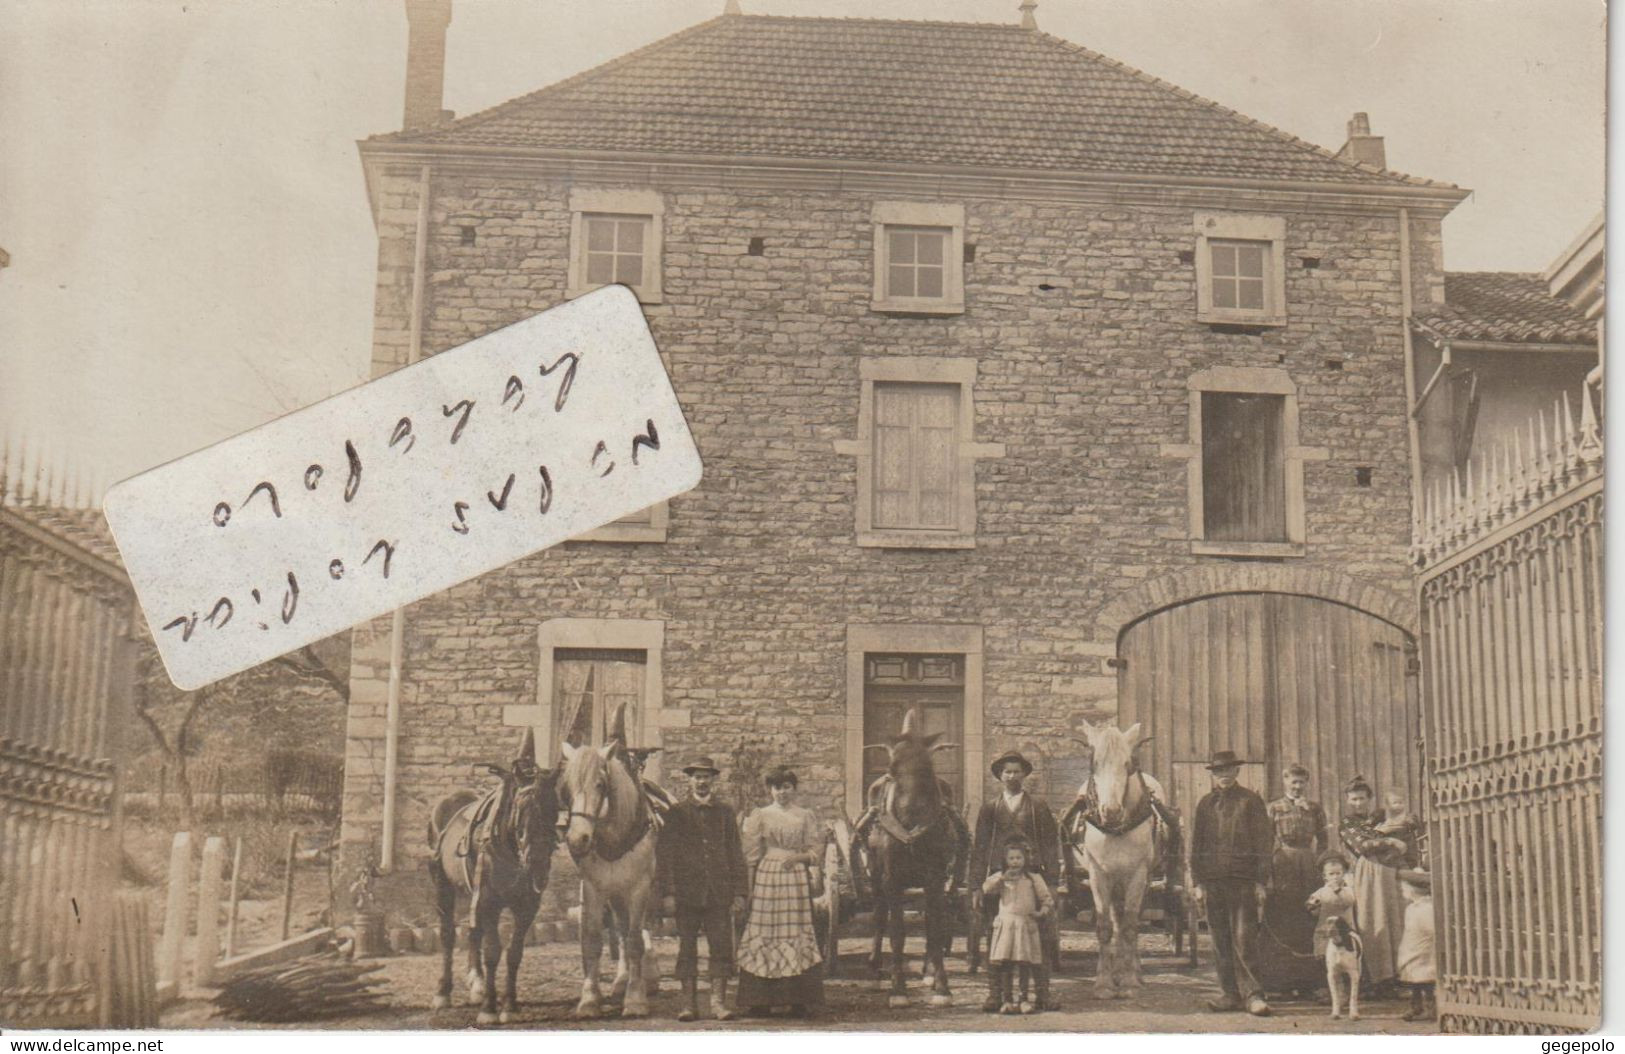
{"x":916,"y":843}
{"x":498,"y":849}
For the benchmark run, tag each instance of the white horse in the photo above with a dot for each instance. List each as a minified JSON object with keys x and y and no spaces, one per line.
{"x":611,"y":836}
{"x":1112,"y":827}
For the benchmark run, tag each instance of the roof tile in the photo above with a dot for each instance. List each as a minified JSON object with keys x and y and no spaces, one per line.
{"x":926,"y":93}
{"x":1507,"y":307}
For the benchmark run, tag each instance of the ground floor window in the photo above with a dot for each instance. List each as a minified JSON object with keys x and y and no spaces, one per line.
{"x":932,"y":684}
{"x":588,"y":684}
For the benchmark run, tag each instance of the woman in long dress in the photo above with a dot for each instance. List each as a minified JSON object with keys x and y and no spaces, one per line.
{"x":1379,"y":907}
{"x":779,"y":961}
{"x":1287,"y":959}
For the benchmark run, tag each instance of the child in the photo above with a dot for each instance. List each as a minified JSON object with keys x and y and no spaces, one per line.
{"x":1333,"y":900}
{"x":1016,"y":942}
{"x":1398,"y":824}
{"x":1416,"y":969}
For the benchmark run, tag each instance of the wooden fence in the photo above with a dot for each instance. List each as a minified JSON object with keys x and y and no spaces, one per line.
{"x":1511,"y":596}
{"x":66,"y":659}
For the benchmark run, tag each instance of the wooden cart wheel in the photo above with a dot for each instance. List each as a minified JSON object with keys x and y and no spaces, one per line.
{"x":838,"y":879}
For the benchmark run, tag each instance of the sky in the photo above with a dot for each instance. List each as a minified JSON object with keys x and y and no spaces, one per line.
{"x":192,"y":252}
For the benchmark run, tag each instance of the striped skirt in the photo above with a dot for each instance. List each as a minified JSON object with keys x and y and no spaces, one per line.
{"x":779,"y":940}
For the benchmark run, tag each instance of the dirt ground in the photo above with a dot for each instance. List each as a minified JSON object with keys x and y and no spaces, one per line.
{"x":1173,"y":1000}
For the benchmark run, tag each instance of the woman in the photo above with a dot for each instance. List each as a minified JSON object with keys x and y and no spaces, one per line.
{"x":779,"y":962}
{"x":1379,"y":907}
{"x":1287,"y":961}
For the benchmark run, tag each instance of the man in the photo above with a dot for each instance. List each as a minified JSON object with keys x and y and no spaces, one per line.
{"x":1018,"y":813}
{"x":701,"y":876}
{"x":1231,"y":843}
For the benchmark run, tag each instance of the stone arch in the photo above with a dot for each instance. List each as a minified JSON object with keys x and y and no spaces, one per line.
{"x":1216,"y":579}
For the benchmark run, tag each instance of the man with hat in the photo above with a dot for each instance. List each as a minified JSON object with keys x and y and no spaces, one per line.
{"x":1231,"y":845}
{"x":700,"y":871}
{"x":1018,"y":813}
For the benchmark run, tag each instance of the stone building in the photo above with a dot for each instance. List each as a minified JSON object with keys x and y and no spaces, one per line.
{"x":1032,"y":389}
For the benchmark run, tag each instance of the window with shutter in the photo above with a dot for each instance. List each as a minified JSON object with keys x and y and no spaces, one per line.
{"x":916,"y":458}
{"x":1243,"y":467}
{"x":916,"y":455}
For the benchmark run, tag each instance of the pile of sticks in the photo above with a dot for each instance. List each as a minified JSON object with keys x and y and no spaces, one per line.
{"x":305,"y":990}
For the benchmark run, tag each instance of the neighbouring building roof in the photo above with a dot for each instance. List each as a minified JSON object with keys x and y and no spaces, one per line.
{"x":82,"y":529}
{"x":918,"y":93}
{"x":1507,"y":307}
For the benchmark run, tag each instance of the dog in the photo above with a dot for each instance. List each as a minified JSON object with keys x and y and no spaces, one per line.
{"x":1344,"y":949}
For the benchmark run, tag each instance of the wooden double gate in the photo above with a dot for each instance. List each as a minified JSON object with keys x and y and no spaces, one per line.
{"x":65,"y":671}
{"x":1511,"y":596}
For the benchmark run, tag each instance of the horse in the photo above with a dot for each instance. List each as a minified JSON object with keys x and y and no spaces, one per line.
{"x":915,"y":842}
{"x":498,"y":849}
{"x":1114,"y":827}
{"x":611,"y":837}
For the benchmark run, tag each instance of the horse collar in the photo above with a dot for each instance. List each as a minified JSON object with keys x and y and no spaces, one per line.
{"x":1092,"y":816}
{"x":894,"y":827}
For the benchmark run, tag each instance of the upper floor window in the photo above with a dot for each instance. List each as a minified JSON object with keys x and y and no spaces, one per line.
{"x":615,"y":238}
{"x":1244,"y":471}
{"x":1243,"y":467}
{"x":916,"y":460}
{"x":1240,"y":276}
{"x":919,"y":258}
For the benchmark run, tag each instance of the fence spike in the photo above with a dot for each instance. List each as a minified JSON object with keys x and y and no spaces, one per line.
{"x":1590,"y":433}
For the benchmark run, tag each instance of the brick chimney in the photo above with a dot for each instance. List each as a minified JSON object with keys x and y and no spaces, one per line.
{"x":1362,"y":145}
{"x":426,"y":63}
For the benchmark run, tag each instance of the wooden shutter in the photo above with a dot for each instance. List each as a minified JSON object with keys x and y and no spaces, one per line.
{"x":1243,"y":467}
{"x":916,"y":435}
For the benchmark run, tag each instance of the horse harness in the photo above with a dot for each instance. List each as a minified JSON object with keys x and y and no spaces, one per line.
{"x":893,"y":826}
{"x":649,"y":818}
{"x":1088,"y":806}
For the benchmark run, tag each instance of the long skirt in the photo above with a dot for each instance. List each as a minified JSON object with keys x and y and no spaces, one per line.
{"x":1379,"y":912}
{"x":778,"y":955}
{"x":1286,"y":948}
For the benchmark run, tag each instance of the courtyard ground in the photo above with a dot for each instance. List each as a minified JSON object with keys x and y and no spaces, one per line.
{"x":1173,"y":1000}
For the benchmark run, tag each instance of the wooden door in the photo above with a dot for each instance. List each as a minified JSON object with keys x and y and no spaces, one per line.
{"x":1279,"y":679}
{"x":932,"y":684}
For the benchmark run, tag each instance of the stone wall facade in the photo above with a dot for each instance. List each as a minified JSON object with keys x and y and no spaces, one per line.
{"x":1081,"y":318}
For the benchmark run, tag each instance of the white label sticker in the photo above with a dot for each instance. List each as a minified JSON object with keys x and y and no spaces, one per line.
{"x":403,"y":487}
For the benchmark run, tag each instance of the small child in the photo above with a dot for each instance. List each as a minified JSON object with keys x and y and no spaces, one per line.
{"x":1400,"y":827}
{"x":1333,"y":900}
{"x":1415,"y":955}
{"x":1016,"y":942}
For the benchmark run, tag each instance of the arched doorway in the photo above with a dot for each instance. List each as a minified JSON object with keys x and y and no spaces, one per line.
{"x":1278,"y":678}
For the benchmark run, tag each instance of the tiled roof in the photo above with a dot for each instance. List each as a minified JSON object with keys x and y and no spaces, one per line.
{"x":1507,"y":307}
{"x":922,"y":93}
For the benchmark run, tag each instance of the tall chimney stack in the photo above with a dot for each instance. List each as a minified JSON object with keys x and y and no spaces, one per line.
{"x":1362,"y":146}
{"x":426,"y":63}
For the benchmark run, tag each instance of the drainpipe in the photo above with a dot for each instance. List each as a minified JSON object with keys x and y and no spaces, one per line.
{"x":1413,"y":434}
{"x":397,"y":622}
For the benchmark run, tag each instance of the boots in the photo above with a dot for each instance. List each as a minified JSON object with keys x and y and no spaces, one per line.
{"x":1044,"y":1000}
{"x":995,"y":989}
{"x":691,"y":1000}
{"x":719,"y":999}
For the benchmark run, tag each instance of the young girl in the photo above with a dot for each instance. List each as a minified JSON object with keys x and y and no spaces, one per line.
{"x":1416,"y":969}
{"x":1333,"y":900}
{"x":1016,"y":942}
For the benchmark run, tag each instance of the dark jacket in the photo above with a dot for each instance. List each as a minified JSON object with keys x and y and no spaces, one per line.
{"x":699,"y":859}
{"x":995,"y":824}
{"x":1232,"y":837}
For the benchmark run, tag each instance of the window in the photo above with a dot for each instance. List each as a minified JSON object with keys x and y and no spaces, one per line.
{"x":615,"y":238}
{"x":1244,"y":467}
{"x":588,"y":684}
{"x":1240,"y":269}
{"x":919,"y":258}
{"x":588,"y":667}
{"x":646,"y":525}
{"x":916,"y":459}
{"x":916,"y":449}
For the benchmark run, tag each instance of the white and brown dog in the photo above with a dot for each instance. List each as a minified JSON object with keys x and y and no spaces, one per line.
{"x":1344,"y":949}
